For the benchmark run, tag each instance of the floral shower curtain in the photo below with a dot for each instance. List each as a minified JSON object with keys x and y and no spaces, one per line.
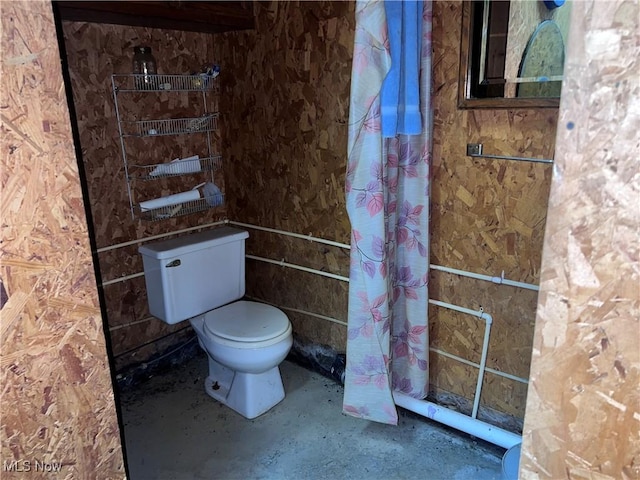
{"x":388,"y":204}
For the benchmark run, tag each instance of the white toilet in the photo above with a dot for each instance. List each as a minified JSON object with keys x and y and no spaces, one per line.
{"x":198,"y":277}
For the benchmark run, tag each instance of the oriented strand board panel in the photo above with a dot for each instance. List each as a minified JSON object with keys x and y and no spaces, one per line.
{"x":583,"y":416}
{"x":58,"y":412}
{"x":462,"y":334}
{"x":487,"y":216}
{"x":286,"y":101}
{"x":93,"y":56}
{"x":326,"y":258}
{"x":285,"y":95}
{"x":294,"y":289}
{"x":285,"y":106}
{"x":95,"y":52}
{"x":285,"y":98}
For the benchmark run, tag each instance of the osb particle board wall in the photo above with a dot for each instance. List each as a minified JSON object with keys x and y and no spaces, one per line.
{"x":285,"y":106}
{"x":57,"y":401}
{"x":583,"y":410}
{"x":285,"y":98}
{"x":486,"y":217}
{"x":95,"y":52}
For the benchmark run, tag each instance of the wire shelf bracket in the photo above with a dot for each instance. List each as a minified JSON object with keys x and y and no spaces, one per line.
{"x":165,"y":83}
{"x":181,"y":209}
{"x":131,"y":126}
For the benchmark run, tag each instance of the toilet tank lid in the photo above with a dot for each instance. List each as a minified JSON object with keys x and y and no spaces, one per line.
{"x":192,"y":242}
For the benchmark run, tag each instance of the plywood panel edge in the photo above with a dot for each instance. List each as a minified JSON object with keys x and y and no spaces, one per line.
{"x":583,"y":417}
{"x":57,"y":400}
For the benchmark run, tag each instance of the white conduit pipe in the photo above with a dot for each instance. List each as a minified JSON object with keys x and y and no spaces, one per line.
{"x":488,"y":319}
{"x":282,"y":263}
{"x":464,"y":423}
{"x":125,"y":325}
{"x":483,"y":365}
{"x":122,"y":279}
{"x":297,"y":310}
{"x":340,"y":322}
{"x":497,"y":280}
{"x":345,"y":279}
{"x":309,"y":237}
{"x":464,"y":273}
{"x":459,"y":421}
{"x":476,"y":365}
{"x":156,"y":237}
{"x":478,"y":276}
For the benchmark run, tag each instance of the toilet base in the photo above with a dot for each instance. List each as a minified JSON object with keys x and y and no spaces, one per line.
{"x":249,"y":394}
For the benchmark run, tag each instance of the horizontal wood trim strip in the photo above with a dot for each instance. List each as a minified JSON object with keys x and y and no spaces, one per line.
{"x":208,"y":17}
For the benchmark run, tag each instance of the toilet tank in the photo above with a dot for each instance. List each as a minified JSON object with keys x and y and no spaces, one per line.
{"x":194,"y":273}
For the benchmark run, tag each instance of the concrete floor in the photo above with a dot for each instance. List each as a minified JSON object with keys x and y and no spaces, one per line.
{"x":174,"y":430}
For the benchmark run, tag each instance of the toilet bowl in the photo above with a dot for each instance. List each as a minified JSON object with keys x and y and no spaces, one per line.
{"x":200,"y":277}
{"x":245,"y":342}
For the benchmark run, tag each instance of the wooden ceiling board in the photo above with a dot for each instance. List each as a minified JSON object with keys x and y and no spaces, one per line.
{"x":207,"y":17}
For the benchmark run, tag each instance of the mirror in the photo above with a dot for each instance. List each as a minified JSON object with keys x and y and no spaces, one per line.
{"x":512,"y":53}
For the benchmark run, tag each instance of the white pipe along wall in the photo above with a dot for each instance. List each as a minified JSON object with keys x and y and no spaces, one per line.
{"x":459,"y":421}
{"x":462,"y":422}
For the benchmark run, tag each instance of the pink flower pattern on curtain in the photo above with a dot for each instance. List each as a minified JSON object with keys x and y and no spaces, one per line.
{"x":387,"y":191}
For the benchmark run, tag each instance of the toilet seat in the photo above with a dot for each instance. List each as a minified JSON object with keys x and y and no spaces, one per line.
{"x":247,"y":325}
